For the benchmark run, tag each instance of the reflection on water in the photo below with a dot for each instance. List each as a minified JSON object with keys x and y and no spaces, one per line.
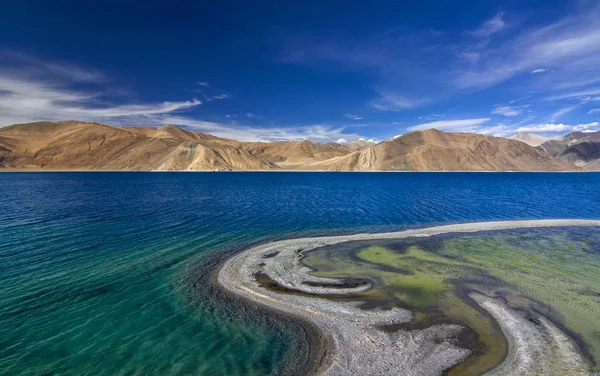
{"x":550,"y":271}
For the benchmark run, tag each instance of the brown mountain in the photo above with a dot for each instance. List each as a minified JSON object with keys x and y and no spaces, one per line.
{"x":580,"y":149}
{"x":584,"y":154}
{"x":74,"y":145}
{"x":555,"y":147}
{"x":434,"y":150}
{"x":294,"y":154}
{"x":93,"y":146}
{"x":361,"y":143}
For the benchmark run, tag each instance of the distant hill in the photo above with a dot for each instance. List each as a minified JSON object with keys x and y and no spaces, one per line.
{"x":578,"y":148}
{"x":75,"y":145}
{"x":361,"y":143}
{"x":532,"y":139}
{"x":434,"y":150}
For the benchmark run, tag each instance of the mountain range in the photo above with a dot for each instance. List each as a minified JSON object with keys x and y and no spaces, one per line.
{"x":76,"y":145}
{"x":530,"y":138}
{"x":581,"y":149}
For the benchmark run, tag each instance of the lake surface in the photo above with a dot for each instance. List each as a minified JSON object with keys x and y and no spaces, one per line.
{"x":96,"y":269}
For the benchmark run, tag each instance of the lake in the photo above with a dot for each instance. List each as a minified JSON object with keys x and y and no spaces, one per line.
{"x":102,"y":273}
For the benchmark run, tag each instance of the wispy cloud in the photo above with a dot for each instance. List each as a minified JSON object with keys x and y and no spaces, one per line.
{"x":462,"y":125}
{"x":509,"y":110}
{"x":210,"y":98}
{"x":430,"y":117}
{"x":503,"y":130}
{"x":395,"y":102}
{"x":561,"y":112}
{"x":580,"y":95}
{"x":221,"y":96}
{"x":519,"y":99}
{"x":353,"y":117}
{"x":593,"y":111}
{"x":318,"y":133}
{"x":490,"y":27}
{"x":24,"y":100}
{"x":31,"y":65}
{"x":557,"y":128}
{"x":203,"y":83}
{"x":540,"y":70}
{"x":571,"y":44}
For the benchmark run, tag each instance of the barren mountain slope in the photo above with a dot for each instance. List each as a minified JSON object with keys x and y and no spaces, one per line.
{"x":556,"y":147}
{"x":359,"y":144}
{"x":584,"y":154}
{"x":294,"y":154}
{"x":92,"y":146}
{"x":433,"y":150}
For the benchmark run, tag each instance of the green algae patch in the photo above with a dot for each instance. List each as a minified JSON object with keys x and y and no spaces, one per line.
{"x":418,"y":288}
{"x":550,"y":271}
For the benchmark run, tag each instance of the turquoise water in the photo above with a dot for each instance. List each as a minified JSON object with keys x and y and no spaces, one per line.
{"x":105,"y":273}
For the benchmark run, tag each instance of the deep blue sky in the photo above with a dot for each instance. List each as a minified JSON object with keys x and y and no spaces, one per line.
{"x":322,"y":70}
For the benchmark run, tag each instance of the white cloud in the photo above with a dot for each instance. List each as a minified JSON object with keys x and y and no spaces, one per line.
{"x":581,"y":94}
{"x":540,"y":70}
{"x":394,"y":102}
{"x":571,"y":44}
{"x":250,"y":115}
{"x":593,"y":111}
{"x":353,"y":117}
{"x":490,"y":27}
{"x":397,"y":136}
{"x":561,"y":112}
{"x":203,"y":83}
{"x":509,"y":110}
{"x":342,"y":141}
{"x":557,"y":128}
{"x":519,"y":99}
{"x":318,"y":133}
{"x":32,"y":65}
{"x":221,"y":96}
{"x":25,"y":100}
{"x":38,"y":90}
{"x":586,"y":80}
{"x":463,"y":125}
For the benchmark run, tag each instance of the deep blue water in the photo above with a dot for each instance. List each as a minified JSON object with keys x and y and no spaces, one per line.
{"x":94,"y":266}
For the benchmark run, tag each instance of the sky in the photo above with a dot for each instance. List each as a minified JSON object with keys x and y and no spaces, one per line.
{"x":293,"y":70}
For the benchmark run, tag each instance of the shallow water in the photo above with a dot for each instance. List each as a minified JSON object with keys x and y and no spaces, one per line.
{"x":95,"y":268}
{"x":549,"y":271}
